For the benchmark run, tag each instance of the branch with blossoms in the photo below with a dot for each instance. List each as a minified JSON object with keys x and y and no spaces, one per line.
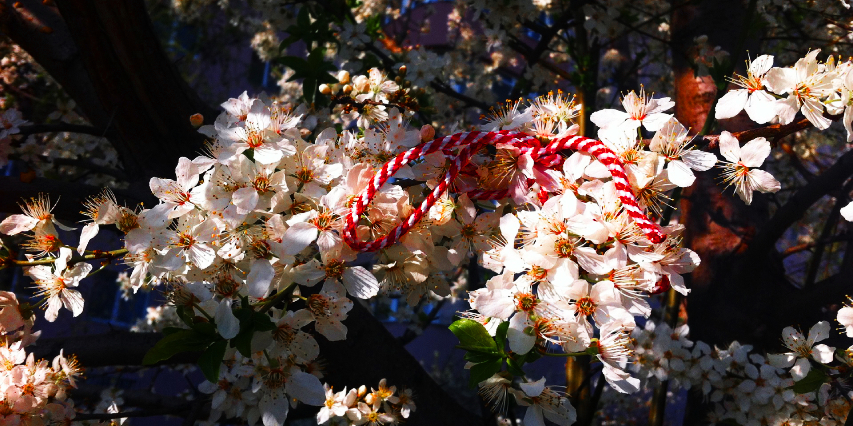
{"x":243,"y":235}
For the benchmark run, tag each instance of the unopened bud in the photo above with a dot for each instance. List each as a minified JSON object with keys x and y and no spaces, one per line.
{"x":362,"y":390}
{"x":304,"y":132}
{"x":402,"y":70}
{"x":427,"y":133}
{"x":325,"y":89}
{"x":343,"y":77}
{"x":347,"y":89}
{"x":196,"y":120}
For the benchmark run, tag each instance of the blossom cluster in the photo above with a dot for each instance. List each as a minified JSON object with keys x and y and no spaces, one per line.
{"x":747,"y":387}
{"x":33,"y":391}
{"x":358,"y":406}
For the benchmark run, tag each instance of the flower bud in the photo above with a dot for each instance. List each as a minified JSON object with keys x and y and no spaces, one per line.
{"x":361,"y":83}
{"x":347,"y":89}
{"x":402,"y":70}
{"x":427,"y":133}
{"x":196,"y":120}
{"x":343,"y":77}
{"x":325,"y":89}
{"x":362,"y":390}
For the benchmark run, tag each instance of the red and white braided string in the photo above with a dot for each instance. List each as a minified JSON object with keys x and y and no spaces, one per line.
{"x":469,"y":143}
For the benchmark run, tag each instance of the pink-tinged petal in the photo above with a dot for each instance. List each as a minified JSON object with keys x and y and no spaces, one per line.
{"x":520,"y":341}
{"x":17,"y":223}
{"x":89,"y":231}
{"x":845,"y":318}
{"x":680,"y":174}
{"x":360,"y":282}
{"x":74,"y":275}
{"x":226,"y":323}
{"x":306,"y":388}
{"x":822,"y":353}
{"x":800,"y":369}
{"x":761,"y":107}
{"x":754,"y":152}
{"x":201,"y":255}
{"x":623,"y":382}
{"x":731,"y":104}
{"x":260,"y":276}
{"x":699,"y":160}
{"x":609,"y":117}
{"x":329,"y":242}
{"x":676,"y":281}
{"x":763,"y":181}
{"x":299,"y":236}
{"x":309,"y":273}
{"x":729,"y":147}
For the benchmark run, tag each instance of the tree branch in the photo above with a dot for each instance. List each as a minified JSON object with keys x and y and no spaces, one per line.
{"x":797,"y":206}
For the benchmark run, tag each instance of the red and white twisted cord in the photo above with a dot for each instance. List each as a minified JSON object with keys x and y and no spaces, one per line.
{"x":470,"y":143}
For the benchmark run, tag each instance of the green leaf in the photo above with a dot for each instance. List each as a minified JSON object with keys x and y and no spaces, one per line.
{"x":513,"y":365}
{"x":500,"y":335}
{"x":473,"y":336}
{"x":206,"y":329}
{"x":175,"y":343}
{"x":211,"y":359}
{"x":811,"y":382}
{"x":186,"y":315}
{"x":262,"y":322}
{"x":483,"y":371}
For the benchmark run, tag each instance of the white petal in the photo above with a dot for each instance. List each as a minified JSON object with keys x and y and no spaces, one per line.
{"x":653,"y":122}
{"x":533,"y":389}
{"x":260,"y":276}
{"x":226,"y":323}
{"x":306,"y":388}
{"x":608,"y":117}
{"x":17,"y":223}
{"x":818,"y":333}
{"x":245,"y":199}
{"x":89,"y":231}
{"x":761,"y":107}
{"x":519,"y":341}
{"x":761,"y":65}
{"x":731,"y":104}
{"x":699,"y":160}
{"x":680,"y":174}
{"x":822,"y":353}
{"x":73,"y":301}
{"x":201,"y":255}
{"x":754,"y":152}
{"x":801,"y":369}
{"x":360,"y":282}
{"x":813,"y":110}
{"x":729,"y":147}
{"x":847,"y":213}
{"x":763,"y":181}
{"x":298,"y":236}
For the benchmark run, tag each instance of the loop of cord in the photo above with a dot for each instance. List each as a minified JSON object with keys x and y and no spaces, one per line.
{"x":470,"y":143}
